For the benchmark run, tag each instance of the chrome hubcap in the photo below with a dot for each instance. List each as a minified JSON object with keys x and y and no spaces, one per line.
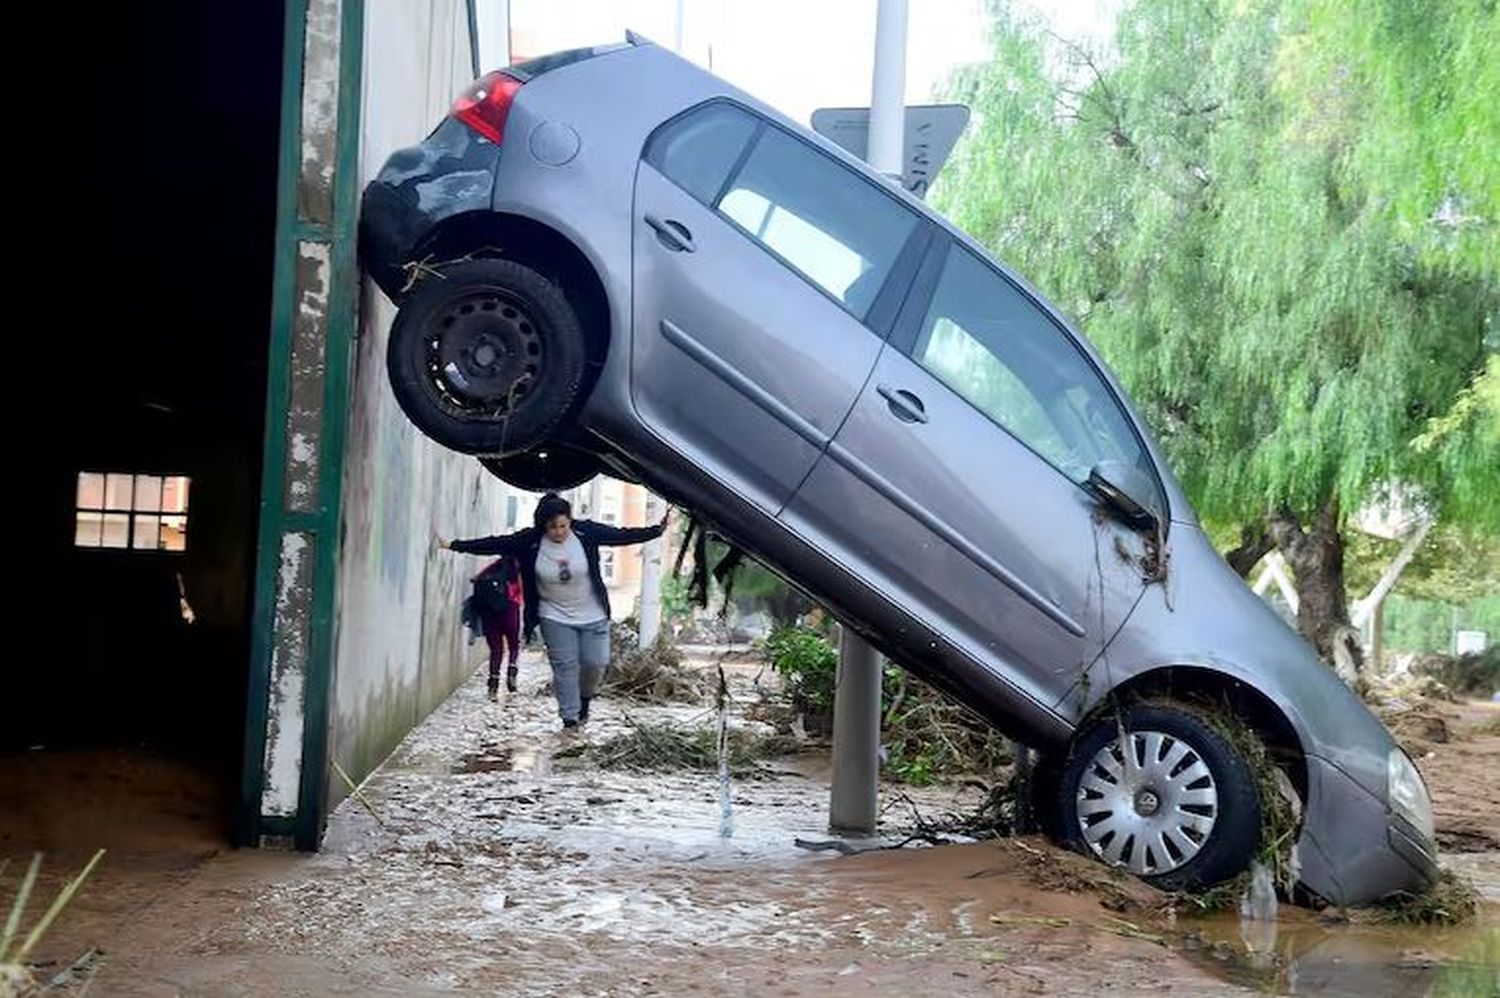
{"x":1147,"y":802}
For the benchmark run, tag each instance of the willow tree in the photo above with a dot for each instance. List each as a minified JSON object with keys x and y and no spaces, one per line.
{"x":1213,"y":222}
{"x":1416,"y":88}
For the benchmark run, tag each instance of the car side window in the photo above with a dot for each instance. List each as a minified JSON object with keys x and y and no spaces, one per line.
{"x":828,"y":223}
{"x":989,"y":342}
{"x":698,"y":150}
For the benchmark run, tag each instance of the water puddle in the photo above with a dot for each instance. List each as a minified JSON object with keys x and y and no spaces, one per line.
{"x":528,"y":759}
{"x":493,"y":761}
{"x":1314,"y":957}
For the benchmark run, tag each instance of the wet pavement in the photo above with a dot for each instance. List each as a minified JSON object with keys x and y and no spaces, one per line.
{"x":499,"y":860}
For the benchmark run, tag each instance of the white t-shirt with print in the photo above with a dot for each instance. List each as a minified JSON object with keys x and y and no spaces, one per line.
{"x":562,"y":582}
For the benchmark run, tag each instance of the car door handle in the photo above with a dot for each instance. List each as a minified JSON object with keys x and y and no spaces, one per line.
{"x":904,"y":405}
{"x":672,"y":233}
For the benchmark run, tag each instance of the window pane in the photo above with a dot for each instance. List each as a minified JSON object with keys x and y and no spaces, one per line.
{"x":174,"y":494}
{"x":749,"y":209}
{"x":834,"y":226}
{"x":147,"y":493}
{"x":90,"y":490}
{"x":969,"y":369}
{"x":117,"y":491}
{"x":145,"y":532}
{"x":697,"y":152}
{"x":89,"y":528}
{"x":991,"y":344}
{"x":174,"y":533}
{"x":116,"y":533}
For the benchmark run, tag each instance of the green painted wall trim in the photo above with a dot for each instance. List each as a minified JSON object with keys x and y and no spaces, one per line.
{"x":273,"y":460}
{"x":342,"y":327}
{"x":323,"y":522}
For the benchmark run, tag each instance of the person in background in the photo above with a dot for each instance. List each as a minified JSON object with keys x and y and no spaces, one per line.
{"x":497,"y":603}
{"x":563,"y":589}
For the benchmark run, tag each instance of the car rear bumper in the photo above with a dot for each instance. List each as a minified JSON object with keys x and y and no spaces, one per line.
{"x":1353,"y":848}
{"x":451,"y":173}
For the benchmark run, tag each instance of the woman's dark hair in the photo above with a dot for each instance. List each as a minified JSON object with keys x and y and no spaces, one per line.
{"x":549,"y":507}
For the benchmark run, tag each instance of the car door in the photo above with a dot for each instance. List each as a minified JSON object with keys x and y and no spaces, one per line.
{"x":761,"y":265}
{"x":956,"y":485}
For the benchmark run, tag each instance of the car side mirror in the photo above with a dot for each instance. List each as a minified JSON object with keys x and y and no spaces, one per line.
{"x":1127,"y":492}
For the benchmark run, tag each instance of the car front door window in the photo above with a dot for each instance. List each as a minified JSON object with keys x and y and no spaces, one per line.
{"x":985,"y":339}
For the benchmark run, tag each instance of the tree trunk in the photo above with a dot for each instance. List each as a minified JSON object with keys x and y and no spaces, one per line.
{"x":1317,"y":560}
{"x":786,"y":606}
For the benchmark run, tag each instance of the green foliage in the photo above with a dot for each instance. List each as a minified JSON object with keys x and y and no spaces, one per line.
{"x":1427,"y":626}
{"x":1223,"y":203}
{"x":1453,"y":565}
{"x":1407,"y":92}
{"x":1418,"y":626}
{"x":928,"y":736}
{"x":807,"y":665}
{"x":675,"y":605}
{"x":925,"y":734}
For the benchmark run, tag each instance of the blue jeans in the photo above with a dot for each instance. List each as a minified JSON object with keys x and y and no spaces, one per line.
{"x":579,"y":655}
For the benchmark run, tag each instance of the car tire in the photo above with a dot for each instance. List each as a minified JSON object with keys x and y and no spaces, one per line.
{"x":1040,"y":791}
{"x":552,"y":467}
{"x":1185,"y":820}
{"x":487,"y":357}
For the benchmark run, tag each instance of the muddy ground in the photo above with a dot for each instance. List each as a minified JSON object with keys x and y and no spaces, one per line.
{"x":501,"y":862}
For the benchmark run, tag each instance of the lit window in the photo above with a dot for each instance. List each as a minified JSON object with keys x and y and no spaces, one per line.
{"x":140,"y":512}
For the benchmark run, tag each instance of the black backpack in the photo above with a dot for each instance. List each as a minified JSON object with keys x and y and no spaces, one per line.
{"x":492,"y":587}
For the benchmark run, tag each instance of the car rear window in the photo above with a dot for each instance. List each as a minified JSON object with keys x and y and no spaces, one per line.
{"x":830,"y":224}
{"x":827,"y":222}
{"x":698,"y":150}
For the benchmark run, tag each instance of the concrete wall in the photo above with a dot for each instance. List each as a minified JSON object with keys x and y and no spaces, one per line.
{"x":399,"y":648}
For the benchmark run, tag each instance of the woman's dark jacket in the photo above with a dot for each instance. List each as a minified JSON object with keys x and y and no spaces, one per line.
{"x":523,"y":546}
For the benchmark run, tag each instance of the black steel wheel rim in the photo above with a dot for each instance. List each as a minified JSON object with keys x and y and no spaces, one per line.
{"x":483,"y":353}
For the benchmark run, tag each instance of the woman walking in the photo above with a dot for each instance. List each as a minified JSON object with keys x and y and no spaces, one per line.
{"x":497,"y":604}
{"x":564,"y":593}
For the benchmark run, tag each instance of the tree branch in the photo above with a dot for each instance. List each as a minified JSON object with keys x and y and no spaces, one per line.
{"x":1255,"y":543}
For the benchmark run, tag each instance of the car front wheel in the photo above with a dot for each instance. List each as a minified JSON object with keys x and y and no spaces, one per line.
{"x":1158,"y":790}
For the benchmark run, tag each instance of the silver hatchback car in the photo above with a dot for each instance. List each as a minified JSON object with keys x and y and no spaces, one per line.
{"x":610,"y":260}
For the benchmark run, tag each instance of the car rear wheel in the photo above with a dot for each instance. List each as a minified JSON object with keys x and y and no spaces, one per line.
{"x":1159,"y":791}
{"x":487,"y":357}
{"x":548,"y":468}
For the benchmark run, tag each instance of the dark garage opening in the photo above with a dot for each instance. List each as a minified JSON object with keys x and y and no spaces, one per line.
{"x":123,"y":721}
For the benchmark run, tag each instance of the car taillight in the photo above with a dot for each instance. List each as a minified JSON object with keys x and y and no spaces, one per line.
{"x":485,"y":104}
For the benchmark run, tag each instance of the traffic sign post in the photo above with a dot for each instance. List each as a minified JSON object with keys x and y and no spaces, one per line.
{"x":931,"y":132}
